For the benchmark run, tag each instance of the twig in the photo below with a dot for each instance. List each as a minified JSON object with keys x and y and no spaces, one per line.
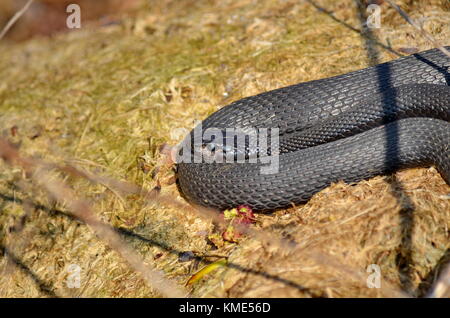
{"x":167,"y":200}
{"x":15,"y":18}
{"x":419,"y":27}
{"x":214,"y":215}
{"x":332,"y":16}
{"x":82,"y":210}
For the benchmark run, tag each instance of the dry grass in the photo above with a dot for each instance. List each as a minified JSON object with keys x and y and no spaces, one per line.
{"x":106,"y":99}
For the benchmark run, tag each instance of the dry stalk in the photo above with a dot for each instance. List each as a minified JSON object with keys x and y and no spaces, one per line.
{"x":15,"y":18}
{"x":83,"y":211}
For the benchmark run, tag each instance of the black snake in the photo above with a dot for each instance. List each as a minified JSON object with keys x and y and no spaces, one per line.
{"x":348,"y":127}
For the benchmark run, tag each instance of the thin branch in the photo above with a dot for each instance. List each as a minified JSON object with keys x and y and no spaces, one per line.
{"x":82,"y":210}
{"x":332,"y":16}
{"x":262,"y":236}
{"x":419,"y":28}
{"x":15,"y":18}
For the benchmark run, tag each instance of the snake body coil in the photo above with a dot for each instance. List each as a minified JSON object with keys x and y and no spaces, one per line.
{"x":349,"y":127}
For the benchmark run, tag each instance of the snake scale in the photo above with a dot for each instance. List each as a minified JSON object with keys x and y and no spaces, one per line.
{"x":349,"y":127}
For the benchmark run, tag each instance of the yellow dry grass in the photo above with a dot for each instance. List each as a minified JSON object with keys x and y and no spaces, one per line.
{"x":105,"y":99}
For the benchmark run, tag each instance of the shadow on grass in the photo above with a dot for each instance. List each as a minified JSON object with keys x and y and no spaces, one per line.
{"x":18,"y":263}
{"x":404,"y":258}
{"x":128,"y":234}
{"x":352,"y":28}
{"x":240,"y":268}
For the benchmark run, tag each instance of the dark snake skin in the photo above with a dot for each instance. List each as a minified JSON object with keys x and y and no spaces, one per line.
{"x":349,"y":127}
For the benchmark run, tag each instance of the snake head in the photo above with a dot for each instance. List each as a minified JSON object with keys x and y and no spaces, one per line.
{"x":232,"y":145}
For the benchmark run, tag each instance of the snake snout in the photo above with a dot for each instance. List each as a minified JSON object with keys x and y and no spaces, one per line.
{"x":229,"y":146}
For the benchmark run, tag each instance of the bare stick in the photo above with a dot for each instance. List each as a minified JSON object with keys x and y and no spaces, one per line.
{"x":262,"y":236}
{"x":61,"y":193}
{"x":82,"y":210}
{"x":15,"y":18}
{"x":419,"y":28}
